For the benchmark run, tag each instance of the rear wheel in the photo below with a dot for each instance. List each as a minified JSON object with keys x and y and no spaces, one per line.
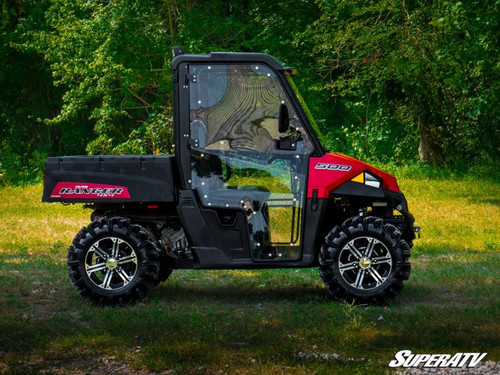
{"x":364,"y":260}
{"x":113,"y":261}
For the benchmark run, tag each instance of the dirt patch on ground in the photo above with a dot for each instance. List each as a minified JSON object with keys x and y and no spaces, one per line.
{"x":82,"y":366}
{"x":484,"y":368}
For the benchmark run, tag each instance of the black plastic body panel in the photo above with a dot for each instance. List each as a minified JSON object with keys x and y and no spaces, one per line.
{"x":217,"y":245}
{"x":214,"y":244}
{"x":146,"y":178}
{"x":357,"y":189}
{"x":315,"y":211}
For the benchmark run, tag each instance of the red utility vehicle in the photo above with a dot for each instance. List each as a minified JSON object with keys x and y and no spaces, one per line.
{"x":249,"y":186}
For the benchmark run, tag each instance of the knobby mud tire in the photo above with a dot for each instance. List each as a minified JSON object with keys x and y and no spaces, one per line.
{"x":353,"y":229}
{"x":142,"y":261}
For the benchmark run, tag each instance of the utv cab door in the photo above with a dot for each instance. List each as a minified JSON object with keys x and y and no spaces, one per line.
{"x":239,"y":160}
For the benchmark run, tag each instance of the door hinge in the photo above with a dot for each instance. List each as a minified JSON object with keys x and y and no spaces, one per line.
{"x":190,"y":78}
{"x":193,"y":142}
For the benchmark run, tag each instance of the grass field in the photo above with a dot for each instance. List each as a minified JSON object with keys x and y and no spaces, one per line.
{"x":251,"y":322}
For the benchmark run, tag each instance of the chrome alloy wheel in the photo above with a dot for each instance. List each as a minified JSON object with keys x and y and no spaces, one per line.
{"x":365,"y":263}
{"x":111,"y":263}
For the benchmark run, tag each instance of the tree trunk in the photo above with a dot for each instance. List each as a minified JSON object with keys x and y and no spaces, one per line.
{"x":424,"y":150}
{"x":170,"y":20}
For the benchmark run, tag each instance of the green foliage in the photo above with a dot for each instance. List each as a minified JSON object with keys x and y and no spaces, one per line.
{"x":403,"y":69}
{"x":112,"y":60}
{"x":28,"y":96}
{"x":153,"y":136}
{"x":381,"y":77}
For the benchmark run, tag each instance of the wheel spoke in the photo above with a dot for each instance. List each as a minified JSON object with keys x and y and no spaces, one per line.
{"x":125,"y":277}
{"x":379,"y":279}
{"x":116,"y":246}
{"x":347,"y":266}
{"x":384,"y":259}
{"x":370,"y":247}
{"x":107,"y":279}
{"x":128,"y":259}
{"x":359,"y":280}
{"x":100,"y":251}
{"x":95,"y":268}
{"x":354,"y":251}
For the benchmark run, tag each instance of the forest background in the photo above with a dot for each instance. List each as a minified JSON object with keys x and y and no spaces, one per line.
{"x":394,"y":82}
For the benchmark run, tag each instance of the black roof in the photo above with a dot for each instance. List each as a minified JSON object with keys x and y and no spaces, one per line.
{"x":230,"y":57}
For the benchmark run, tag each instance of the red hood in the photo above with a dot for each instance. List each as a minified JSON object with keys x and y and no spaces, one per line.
{"x":332,"y":170}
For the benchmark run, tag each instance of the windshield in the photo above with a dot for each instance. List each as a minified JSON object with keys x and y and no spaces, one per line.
{"x":306,"y":110}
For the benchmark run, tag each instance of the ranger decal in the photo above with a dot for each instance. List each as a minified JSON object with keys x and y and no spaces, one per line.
{"x":88,"y":191}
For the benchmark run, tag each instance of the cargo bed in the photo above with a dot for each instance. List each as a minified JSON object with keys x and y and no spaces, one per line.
{"x":109,"y":179}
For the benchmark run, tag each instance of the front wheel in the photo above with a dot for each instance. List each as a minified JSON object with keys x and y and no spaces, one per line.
{"x":365,"y":261}
{"x":113,"y":261}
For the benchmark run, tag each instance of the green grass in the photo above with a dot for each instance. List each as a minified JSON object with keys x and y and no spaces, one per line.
{"x":251,"y":322}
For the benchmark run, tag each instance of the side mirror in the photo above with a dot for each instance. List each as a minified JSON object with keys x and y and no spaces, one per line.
{"x":283,"y":119}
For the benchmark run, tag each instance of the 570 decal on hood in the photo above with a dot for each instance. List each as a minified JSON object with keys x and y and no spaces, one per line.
{"x":88,"y":190}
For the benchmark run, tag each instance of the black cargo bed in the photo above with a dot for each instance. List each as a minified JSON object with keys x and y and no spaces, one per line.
{"x":109,"y":179}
